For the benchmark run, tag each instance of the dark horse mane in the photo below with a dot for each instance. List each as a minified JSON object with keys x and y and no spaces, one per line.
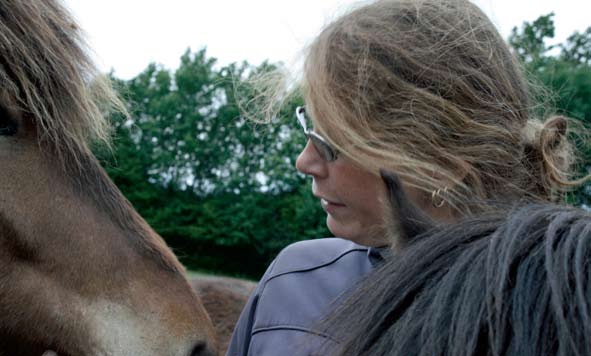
{"x":512,"y":282}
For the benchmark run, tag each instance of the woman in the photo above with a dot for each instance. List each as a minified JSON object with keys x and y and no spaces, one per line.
{"x":424,"y":88}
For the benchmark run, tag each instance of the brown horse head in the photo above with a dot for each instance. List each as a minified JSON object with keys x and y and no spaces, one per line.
{"x":80,"y":271}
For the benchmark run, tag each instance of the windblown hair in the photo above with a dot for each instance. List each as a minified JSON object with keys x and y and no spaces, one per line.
{"x":513,"y":283}
{"x":430,"y":90}
{"x":47,"y":76}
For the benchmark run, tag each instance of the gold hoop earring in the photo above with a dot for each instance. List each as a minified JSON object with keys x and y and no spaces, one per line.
{"x":437,"y":198}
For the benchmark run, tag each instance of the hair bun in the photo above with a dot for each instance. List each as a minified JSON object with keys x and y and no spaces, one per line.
{"x":548,"y":151}
{"x":548,"y":134}
{"x":553,"y":132}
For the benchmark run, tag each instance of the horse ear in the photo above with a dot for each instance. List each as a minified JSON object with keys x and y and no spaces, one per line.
{"x":411,"y":220}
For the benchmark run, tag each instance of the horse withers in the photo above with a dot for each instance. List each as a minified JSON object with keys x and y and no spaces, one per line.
{"x":81,"y":272}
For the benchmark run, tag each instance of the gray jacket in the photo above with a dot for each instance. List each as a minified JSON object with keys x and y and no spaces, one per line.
{"x":298,"y":289}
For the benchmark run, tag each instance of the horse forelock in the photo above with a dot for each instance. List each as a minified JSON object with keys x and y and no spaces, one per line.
{"x":47,"y":76}
{"x":46,"y":70}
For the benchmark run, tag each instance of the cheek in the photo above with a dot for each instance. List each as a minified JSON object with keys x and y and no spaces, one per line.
{"x":367,"y":199}
{"x":373,"y":208}
{"x":366,"y":223}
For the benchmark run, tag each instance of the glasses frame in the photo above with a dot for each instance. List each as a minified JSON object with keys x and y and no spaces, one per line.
{"x":324,"y":149}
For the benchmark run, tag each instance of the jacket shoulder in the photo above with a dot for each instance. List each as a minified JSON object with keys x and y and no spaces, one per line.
{"x":312,"y":254}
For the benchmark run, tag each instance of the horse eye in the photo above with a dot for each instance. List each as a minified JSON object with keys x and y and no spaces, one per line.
{"x":7,"y":126}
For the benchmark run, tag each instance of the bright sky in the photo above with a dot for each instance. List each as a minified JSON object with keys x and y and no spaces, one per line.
{"x":129,"y":34}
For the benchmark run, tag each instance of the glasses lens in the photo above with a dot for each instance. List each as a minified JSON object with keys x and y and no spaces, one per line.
{"x":326,"y":152}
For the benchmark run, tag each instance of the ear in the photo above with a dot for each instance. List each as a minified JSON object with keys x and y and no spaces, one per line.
{"x":411,"y":219}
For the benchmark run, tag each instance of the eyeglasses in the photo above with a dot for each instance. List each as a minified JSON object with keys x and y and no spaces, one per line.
{"x":325,"y":149}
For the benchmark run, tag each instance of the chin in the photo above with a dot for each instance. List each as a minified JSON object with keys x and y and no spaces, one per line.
{"x":344,"y":232}
{"x":374,"y":236}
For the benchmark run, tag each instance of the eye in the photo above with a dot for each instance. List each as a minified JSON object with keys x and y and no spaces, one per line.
{"x":7,"y":126}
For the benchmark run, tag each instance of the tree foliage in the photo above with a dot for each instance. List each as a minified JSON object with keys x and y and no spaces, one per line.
{"x":223,"y":191}
{"x":564,"y":71}
{"x":220,"y":189}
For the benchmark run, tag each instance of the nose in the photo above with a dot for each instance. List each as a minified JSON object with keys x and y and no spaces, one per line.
{"x":202,"y":349}
{"x":309,"y":162}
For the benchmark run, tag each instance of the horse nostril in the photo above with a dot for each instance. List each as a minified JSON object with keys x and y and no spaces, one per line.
{"x":201,"y":349}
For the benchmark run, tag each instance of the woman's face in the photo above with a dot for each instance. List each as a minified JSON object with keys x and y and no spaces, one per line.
{"x":351,"y":197}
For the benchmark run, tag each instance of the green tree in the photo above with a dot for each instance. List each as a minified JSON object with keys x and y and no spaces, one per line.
{"x":220,"y":189}
{"x":529,"y":42}
{"x":565,"y":70}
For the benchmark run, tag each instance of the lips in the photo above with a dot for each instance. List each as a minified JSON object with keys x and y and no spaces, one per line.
{"x":325,"y":201}
{"x":330,"y":206}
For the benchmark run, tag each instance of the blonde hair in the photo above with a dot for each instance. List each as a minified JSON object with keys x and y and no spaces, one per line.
{"x":430,"y":90}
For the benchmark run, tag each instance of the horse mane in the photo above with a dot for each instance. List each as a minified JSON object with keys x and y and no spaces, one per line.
{"x":511,"y":282}
{"x":47,"y":75}
{"x":48,"y":79}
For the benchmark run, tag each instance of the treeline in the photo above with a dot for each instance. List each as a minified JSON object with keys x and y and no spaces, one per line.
{"x":223,"y":191}
{"x":561,"y":76}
